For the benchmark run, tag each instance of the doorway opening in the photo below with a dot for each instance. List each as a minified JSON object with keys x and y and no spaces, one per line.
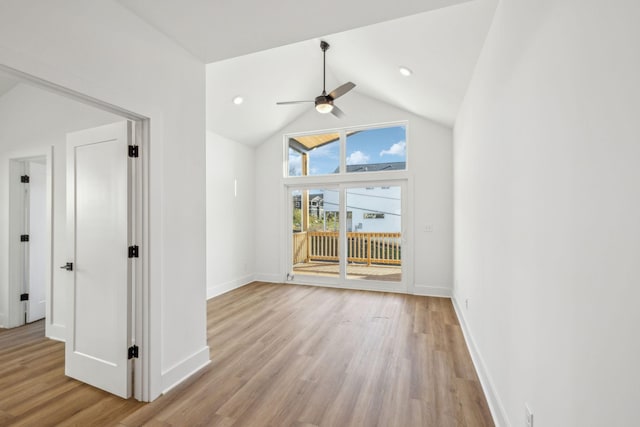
{"x":30,"y":237}
{"x":56,"y":285}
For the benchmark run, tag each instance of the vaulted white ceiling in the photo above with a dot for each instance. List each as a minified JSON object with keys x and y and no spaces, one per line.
{"x":6,"y":83}
{"x":441,"y":47}
{"x":269,"y":51}
{"x":221,"y":29}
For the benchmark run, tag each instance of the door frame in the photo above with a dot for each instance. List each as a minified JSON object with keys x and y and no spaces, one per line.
{"x":17,"y":255}
{"x":141,"y":294}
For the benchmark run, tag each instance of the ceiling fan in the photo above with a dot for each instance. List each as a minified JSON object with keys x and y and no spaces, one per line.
{"x":324,"y":103}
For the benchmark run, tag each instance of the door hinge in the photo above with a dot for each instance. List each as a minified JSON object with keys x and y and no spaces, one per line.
{"x":24,"y":297}
{"x":133,"y":251}
{"x":133,"y":151}
{"x":24,"y":178}
{"x":24,"y":237}
{"x":133,"y":352}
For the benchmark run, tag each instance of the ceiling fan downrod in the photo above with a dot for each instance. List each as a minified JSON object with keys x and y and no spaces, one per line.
{"x":324,"y":46}
{"x":324,"y":102}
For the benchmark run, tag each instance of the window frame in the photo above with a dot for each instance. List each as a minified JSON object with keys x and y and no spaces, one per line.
{"x":342,"y":175}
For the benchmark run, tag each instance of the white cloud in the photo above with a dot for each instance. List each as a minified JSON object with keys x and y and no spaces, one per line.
{"x":396,"y":149}
{"x":357,"y":158}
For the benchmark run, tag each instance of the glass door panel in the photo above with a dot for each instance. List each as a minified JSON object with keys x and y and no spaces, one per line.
{"x":316,"y":232}
{"x":374,"y":233}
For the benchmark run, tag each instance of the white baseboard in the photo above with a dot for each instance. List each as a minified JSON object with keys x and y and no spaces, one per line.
{"x":422,"y":290}
{"x":222,"y":288}
{"x":493,"y":400}
{"x":55,"y":332}
{"x":432,"y":291}
{"x":183,"y":370}
{"x":267,"y":277}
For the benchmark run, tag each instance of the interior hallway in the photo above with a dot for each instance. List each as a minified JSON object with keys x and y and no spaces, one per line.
{"x":281,"y":355}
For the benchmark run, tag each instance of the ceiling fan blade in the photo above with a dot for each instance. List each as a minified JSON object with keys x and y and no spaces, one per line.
{"x":292,"y":102}
{"x":341,"y":90}
{"x":337,"y":112}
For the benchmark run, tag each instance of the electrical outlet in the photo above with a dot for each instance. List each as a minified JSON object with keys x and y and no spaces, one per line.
{"x":528,"y":416}
{"x":289,"y":276}
{"x":428,"y":228}
{"x":466,"y":303}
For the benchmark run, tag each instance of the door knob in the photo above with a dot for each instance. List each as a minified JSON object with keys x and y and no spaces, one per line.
{"x":68,"y":266}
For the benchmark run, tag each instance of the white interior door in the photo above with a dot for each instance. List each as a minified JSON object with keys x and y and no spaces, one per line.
{"x":98,"y":215}
{"x":37,"y":217}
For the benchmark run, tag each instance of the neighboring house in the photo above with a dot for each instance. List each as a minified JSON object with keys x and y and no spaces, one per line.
{"x":377,"y":167}
{"x":371,"y":208}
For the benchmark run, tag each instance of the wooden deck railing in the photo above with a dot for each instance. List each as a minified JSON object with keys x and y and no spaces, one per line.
{"x":369,"y":248}
{"x":300,"y":247}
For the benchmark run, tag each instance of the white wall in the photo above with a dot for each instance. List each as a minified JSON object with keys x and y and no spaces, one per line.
{"x":104,"y":51}
{"x":430,"y":165}
{"x":31,"y":122}
{"x":547,"y":177}
{"x":231,"y":214}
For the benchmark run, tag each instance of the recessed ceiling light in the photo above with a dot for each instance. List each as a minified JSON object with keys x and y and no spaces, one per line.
{"x":405,"y":71}
{"x":238,"y":100}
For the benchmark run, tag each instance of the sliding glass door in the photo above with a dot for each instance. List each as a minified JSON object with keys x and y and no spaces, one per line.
{"x":347,"y":235}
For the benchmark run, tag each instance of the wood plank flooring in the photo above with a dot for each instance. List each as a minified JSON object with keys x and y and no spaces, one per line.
{"x":282,"y":355}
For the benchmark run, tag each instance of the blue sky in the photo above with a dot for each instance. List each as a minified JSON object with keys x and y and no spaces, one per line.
{"x":366,"y":147}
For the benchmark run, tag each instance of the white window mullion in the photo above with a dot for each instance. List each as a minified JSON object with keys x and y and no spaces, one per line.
{"x":343,"y":151}
{"x":342,"y":239}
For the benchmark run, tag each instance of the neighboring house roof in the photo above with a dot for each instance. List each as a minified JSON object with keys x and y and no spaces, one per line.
{"x":375,"y":167}
{"x":314,"y":196}
{"x":317,"y":199}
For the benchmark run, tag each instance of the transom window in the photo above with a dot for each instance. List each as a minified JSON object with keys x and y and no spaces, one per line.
{"x":377,"y":149}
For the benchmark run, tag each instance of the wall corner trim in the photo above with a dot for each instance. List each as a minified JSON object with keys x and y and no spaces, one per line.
{"x":184,"y":369}
{"x":495,"y":403}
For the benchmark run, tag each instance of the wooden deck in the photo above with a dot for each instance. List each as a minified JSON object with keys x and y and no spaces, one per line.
{"x":387,"y":273}
{"x":281,"y":355}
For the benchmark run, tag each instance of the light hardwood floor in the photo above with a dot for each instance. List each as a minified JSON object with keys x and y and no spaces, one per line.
{"x":282,"y":355}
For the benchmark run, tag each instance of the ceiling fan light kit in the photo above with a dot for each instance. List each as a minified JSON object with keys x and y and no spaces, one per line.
{"x":324,"y":103}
